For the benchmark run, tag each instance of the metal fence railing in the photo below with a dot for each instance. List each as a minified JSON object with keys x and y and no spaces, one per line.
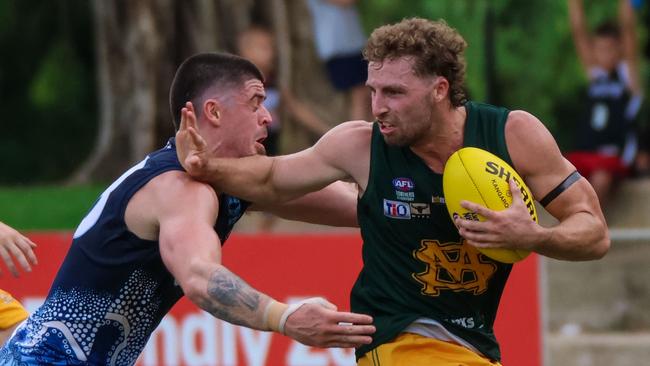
{"x":629,"y":234}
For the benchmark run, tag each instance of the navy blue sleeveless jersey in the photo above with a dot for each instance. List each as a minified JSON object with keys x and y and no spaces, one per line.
{"x":112,"y":289}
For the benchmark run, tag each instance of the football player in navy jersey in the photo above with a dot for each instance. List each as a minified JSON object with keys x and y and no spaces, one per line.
{"x":155,"y":235}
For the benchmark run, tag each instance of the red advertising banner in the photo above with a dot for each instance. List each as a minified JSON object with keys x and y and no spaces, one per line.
{"x":289,"y":268}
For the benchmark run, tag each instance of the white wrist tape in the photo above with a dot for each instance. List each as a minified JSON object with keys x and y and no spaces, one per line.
{"x":293,"y":307}
{"x":272,"y":314}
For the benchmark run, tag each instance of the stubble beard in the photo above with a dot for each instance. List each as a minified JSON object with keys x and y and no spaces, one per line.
{"x":413,"y":134}
{"x":398,"y":141}
{"x":407,"y":138}
{"x":260,"y":150}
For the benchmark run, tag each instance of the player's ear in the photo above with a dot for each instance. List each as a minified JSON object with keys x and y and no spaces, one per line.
{"x":440,"y":89}
{"x":212,"y":111}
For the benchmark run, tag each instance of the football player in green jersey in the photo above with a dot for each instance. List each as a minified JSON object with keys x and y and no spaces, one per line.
{"x":432,"y":295}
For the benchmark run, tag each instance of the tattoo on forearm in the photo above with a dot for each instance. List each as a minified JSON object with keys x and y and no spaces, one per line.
{"x":231,"y":299}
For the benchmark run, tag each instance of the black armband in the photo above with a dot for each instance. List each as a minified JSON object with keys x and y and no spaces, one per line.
{"x":566,"y":183}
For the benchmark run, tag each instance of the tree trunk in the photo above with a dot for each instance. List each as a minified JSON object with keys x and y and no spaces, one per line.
{"x":308,"y":79}
{"x":130,"y":40}
{"x":139,"y":45}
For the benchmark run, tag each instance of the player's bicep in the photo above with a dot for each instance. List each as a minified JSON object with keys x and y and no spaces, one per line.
{"x":187,"y":239}
{"x":186,"y":247}
{"x":538,"y":159}
{"x":578,"y":197}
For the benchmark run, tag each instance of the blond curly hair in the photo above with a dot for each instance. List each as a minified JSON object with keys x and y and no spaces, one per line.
{"x":436,"y":48}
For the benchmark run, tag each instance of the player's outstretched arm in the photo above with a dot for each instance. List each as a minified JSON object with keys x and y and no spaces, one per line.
{"x":334,"y":205}
{"x":186,"y":211}
{"x":338,"y":155}
{"x":16,"y":246}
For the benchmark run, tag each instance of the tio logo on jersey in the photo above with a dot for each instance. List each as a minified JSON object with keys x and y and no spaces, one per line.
{"x":397,"y":209}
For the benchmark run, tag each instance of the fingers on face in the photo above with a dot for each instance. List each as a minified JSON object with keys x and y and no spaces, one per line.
{"x":188,"y":124}
{"x":187,"y":117}
{"x":196,"y":138}
{"x":183,"y":125}
{"x":190,"y":116}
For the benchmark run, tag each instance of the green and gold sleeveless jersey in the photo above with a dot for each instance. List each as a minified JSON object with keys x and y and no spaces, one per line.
{"x":415,"y":264}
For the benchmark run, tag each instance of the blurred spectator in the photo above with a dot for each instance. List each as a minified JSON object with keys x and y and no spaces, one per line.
{"x":258,"y":45}
{"x":605,"y":140}
{"x":339,"y":40}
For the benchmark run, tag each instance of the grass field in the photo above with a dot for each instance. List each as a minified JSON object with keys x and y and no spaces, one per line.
{"x":46,"y":207}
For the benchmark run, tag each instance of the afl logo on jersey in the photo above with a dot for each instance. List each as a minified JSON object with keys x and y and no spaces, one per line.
{"x":403,"y":184}
{"x":397,"y":209}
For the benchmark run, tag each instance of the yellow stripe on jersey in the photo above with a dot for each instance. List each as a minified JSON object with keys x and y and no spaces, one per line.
{"x":415,"y":350}
{"x":11,"y":312}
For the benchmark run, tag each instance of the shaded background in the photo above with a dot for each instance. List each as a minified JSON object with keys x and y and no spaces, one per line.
{"x":83,"y":84}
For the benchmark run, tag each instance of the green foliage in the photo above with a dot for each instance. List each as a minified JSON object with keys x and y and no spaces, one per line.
{"x":47,"y":88}
{"x":46,"y":207}
{"x":48,"y":91}
{"x":51,"y":87}
{"x":536,"y":65}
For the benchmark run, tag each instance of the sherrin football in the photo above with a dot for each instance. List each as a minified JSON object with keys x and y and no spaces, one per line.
{"x":481,"y":177}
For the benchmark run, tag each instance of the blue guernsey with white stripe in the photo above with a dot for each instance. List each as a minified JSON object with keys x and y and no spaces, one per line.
{"x":112,"y":289}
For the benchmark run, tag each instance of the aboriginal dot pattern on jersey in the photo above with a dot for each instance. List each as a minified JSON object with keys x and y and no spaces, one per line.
{"x":85,"y":315}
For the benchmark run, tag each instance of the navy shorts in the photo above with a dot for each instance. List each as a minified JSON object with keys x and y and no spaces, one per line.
{"x":348,"y":71}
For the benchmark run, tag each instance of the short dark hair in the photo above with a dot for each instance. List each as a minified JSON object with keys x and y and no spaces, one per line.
{"x":436,"y":48}
{"x":202,"y":71}
{"x":608,"y":29}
